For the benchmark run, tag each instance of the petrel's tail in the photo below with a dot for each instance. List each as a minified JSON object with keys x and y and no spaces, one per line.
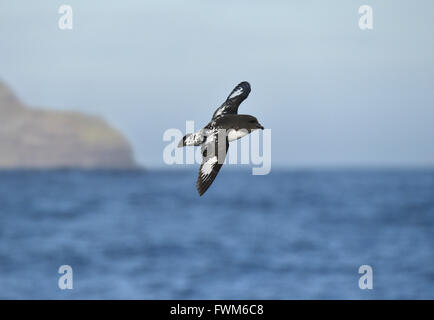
{"x":191,"y":139}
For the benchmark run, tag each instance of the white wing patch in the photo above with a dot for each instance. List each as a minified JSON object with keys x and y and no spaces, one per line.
{"x":208,"y":165}
{"x":213,"y":156}
{"x":190,"y":139}
{"x":219,"y":112}
{"x":194,"y":139}
{"x":236,"y":93}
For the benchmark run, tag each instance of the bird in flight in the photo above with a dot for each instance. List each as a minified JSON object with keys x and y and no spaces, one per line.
{"x":225,"y":126}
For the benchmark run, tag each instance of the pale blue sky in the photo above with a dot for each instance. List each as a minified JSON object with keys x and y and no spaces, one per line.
{"x":331,"y":93}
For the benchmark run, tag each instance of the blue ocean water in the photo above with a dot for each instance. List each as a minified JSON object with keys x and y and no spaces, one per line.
{"x":286,"y":235}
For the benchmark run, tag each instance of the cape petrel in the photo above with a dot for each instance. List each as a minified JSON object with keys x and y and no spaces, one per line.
{"x":225,"y":126}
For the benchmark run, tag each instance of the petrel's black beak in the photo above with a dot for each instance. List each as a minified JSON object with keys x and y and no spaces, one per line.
{"x":260,"y":127}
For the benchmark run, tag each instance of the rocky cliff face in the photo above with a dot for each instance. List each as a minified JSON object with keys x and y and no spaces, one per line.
{"x":37,"y":138}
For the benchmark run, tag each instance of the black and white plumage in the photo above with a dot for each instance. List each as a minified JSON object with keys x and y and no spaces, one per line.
{"x":213,"y":156}
{"x":233,"y":101}
{"x":225,"y":126}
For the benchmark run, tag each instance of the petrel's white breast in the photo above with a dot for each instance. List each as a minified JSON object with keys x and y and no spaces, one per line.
{"x":236,"y":134}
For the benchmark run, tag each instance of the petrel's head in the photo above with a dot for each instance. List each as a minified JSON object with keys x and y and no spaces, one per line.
{"x":251,"y":123}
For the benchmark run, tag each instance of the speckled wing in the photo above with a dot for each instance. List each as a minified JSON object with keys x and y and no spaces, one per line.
{"x":238,"y":95}
{"x":192,"y":139}
{"x":213,"y":156}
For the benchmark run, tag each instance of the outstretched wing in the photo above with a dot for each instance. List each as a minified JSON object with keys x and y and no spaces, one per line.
{"x":238,"y":95}
{"x":213,"y":156}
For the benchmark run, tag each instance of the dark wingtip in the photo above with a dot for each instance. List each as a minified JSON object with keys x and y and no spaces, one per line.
{"x":203,"y":186}
{"x":240,"y":97}
{"x":245,"y":85}
{"x":200,"y":190}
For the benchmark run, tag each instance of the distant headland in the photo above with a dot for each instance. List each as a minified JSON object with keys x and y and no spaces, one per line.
{"x":48,"y":139}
